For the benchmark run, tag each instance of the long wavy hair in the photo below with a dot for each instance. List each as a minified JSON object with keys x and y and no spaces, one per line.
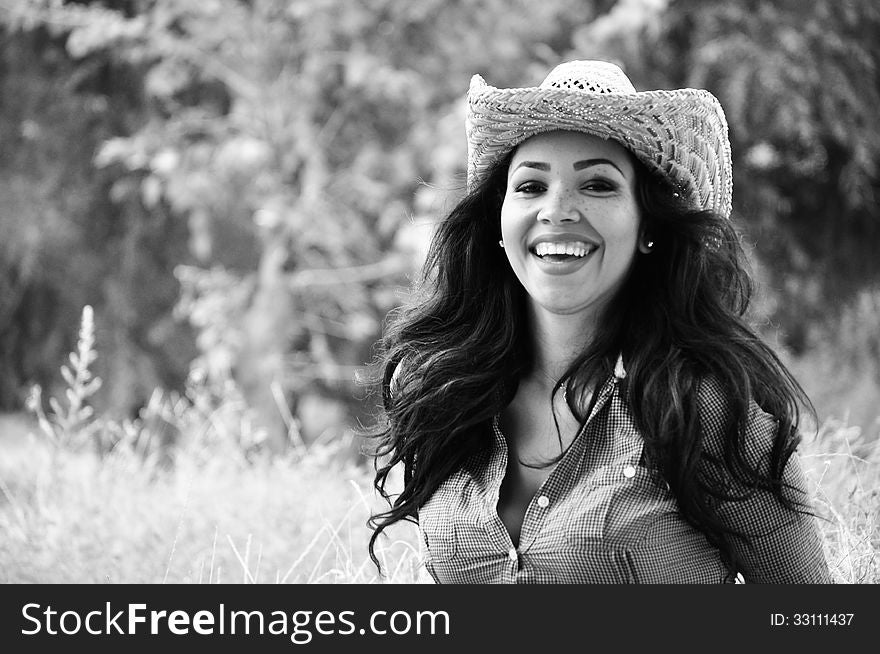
{"x":456,"y":350}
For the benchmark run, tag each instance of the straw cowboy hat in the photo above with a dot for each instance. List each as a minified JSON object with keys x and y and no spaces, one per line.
{"x":680,"y":134}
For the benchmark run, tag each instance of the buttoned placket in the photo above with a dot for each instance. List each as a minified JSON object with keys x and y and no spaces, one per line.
{"x":556,"y":481}
{"x":497,"y":531}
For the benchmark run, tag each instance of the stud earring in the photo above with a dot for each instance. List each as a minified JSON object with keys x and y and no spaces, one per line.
{"x":501,"y":244}
{"x":649,"y":244}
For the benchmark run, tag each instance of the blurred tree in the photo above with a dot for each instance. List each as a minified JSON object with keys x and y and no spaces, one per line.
{"x":286,"y":158}
{"x":800,"y":86}
{"x":65,"y":243}
{"x":291,"y":136}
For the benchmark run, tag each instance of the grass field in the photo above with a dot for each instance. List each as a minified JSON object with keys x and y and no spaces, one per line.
{"x":75,"y":510}
{"x":76,"y":517}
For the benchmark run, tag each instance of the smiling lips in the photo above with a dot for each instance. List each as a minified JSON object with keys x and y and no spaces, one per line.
{"x":576,"y":249}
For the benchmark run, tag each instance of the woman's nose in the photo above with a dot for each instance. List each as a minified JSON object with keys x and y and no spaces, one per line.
{"x":558,"y":209}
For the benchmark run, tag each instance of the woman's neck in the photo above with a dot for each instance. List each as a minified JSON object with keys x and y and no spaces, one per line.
{"x":557,"y":341}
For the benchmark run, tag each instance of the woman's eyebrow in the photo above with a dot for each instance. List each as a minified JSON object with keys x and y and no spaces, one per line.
{"x":586,"y":163}
{"x":539,"y":165}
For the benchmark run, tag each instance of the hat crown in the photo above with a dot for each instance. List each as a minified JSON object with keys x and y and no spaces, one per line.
{"x":589,"y":77}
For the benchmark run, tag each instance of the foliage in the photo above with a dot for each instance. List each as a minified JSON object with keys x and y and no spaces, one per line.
{"x":86,"y":499}
{"x":290,"y":137}
{"x":243,"y":189}
{"x":210,"y":415}
{"x":75,"y":421}
{"x":800,"y":85}
{"x":65,"y":241}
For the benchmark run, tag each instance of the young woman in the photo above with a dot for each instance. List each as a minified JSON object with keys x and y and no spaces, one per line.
{"x":574,"y":393}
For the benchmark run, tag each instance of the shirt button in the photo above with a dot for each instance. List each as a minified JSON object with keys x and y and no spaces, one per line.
{"x":512,"y":554}
{"x":629,"y":472}
{"x":543,"y":501}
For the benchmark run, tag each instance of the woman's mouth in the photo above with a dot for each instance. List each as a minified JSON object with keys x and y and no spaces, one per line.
{"x":562,"y":252}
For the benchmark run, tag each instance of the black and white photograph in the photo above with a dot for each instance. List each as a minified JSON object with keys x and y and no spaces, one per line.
{"x":311,"y":293}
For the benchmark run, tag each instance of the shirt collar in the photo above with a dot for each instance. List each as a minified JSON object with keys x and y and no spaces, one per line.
{"x":619,"y":370}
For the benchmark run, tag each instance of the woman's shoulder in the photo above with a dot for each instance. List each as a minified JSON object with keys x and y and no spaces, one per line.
{"x":719,"y":411}
{"x":718,"y":401}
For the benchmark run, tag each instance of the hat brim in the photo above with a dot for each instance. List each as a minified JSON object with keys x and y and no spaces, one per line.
{"x":680,"y":134}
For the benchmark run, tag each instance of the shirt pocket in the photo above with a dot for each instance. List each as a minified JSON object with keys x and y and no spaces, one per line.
{"x":623,"y":507}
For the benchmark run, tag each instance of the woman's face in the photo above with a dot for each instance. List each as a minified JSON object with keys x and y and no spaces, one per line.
{"x":570,"y":221}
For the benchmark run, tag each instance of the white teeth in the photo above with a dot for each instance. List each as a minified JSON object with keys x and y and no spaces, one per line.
{"x":575,"y":248}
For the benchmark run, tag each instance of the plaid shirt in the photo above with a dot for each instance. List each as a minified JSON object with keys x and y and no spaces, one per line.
{"x":601,"y":517}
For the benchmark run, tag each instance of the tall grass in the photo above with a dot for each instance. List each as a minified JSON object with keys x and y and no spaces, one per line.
{"x":88,"y":500}
{"x":85,"y":519}
{"x":843,"y":467}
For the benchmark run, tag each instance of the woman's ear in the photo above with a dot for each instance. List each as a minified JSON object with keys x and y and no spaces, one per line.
{"x":646,"y":243}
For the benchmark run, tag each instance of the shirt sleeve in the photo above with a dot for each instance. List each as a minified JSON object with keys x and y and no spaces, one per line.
{"x":783,"y":546}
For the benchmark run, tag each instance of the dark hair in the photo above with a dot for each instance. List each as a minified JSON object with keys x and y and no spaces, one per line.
{"x":457,"y":349}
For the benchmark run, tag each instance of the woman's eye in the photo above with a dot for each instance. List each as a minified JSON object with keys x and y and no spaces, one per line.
{"x":529,"y":187}
{"x":600,"y":186}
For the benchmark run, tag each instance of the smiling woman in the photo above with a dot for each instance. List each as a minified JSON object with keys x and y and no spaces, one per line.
{"x":570,"y":223}
{"x":587,"y":403}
